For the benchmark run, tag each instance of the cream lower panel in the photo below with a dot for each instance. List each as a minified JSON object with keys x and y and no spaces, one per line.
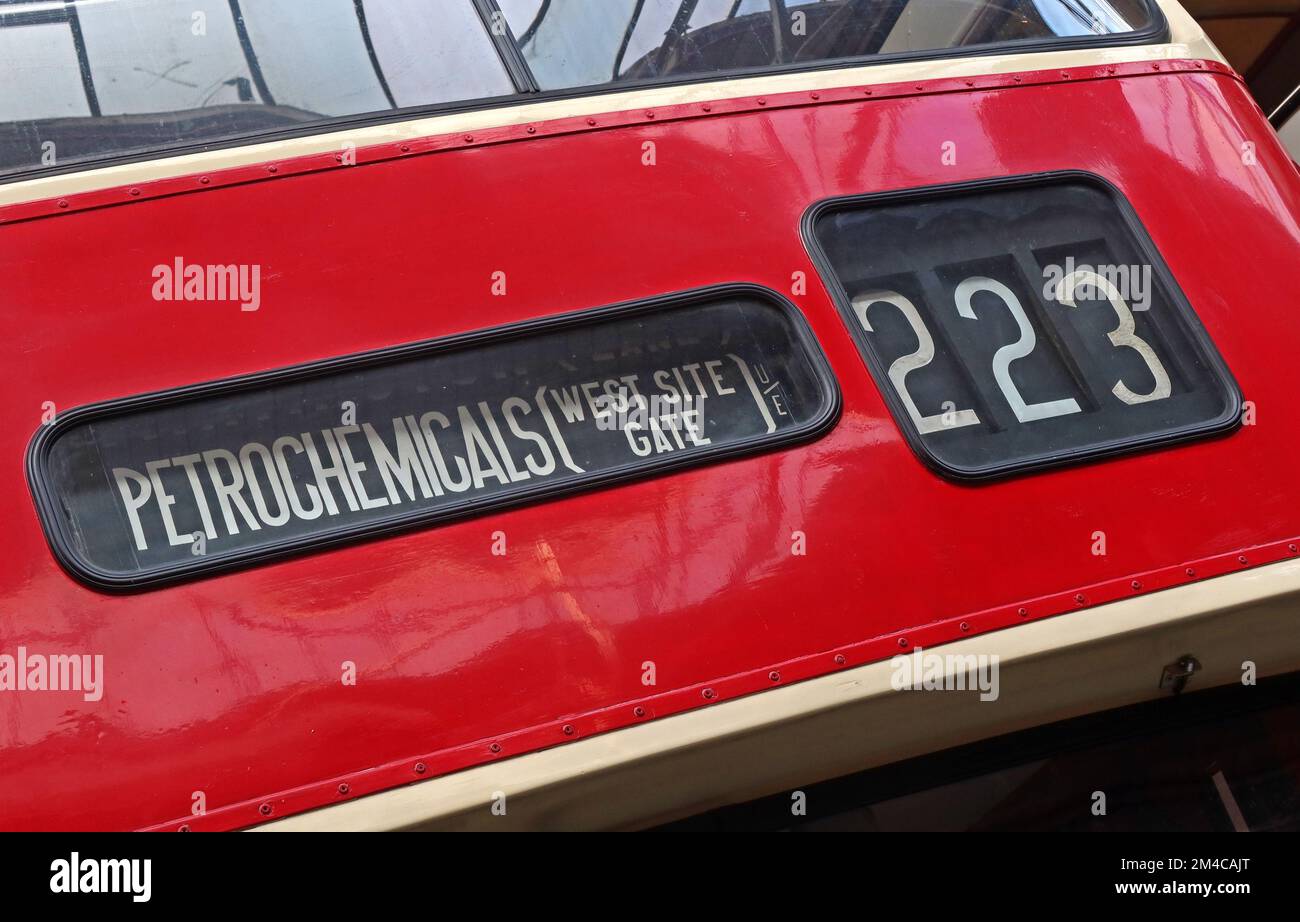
{"x":778,"y":740}
{"x":1187,"y":41}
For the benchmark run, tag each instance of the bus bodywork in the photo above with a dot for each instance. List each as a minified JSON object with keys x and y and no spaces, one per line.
{"x":617,"y":653}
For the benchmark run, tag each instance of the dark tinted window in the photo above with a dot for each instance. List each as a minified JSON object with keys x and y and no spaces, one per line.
{"x":93,"y":78}
{"x":1206,"y":761}
{"x":570,"y":43}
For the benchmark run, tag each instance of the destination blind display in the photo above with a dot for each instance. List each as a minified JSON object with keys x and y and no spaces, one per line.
{"x":141,"y":494}
{"x":1021,"y":323}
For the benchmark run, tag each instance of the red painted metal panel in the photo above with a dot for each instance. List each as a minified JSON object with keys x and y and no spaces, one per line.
{"x":231,"y":685}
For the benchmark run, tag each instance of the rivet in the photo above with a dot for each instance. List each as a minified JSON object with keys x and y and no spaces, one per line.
{"x":135,"y":191}
{"x":902,"y":641}
{"x":265,"y":809}
{"x":469,"y":138}
{"x":272,"y":169}
{"x":919,"y":87}
{"x":184,"y":827}
{"x":1291,"y":548}
{"x":762,"y":101}
{"x":63,"y":203}
{"x":203,"y":180}
{"x":868,"y":92}
{"x":1023,"y":612}
{"x":638,"y":712}
{"x":591,"y":121}
{"x":1017,"y":79}
{"x":532,"y":130}
{"x":1155,"y":66}
{"x":1135,"y":584}
{"x":568,"y":729}
{"x":1065,"y":75}
{"x":344,"y":788}
{"x":420,"y":768}
{"x":774,"y":676}
{"x":839,"y":659}
{"x":965,"y":625}
{"x":649,"y":114}
{"x":816,"y":95}
{"x":709,"y":693}
{"x":1079,"y":598}
{"x":970,"y":82}
{"x":1191,"y":572}
{"x":406,"y":148}
{"x":495,"y":747}
{"x":707,"y":108}
{"x":1241,"y":559}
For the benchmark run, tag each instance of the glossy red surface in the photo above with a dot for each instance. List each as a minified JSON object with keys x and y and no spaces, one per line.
{"x":231,"y":685}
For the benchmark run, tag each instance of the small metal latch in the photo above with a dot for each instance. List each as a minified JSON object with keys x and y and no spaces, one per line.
{"x":1175,"y":675}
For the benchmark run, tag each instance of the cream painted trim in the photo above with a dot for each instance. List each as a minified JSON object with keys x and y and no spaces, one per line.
{"x":1061,"y":667}
{"x":1187,"y":41}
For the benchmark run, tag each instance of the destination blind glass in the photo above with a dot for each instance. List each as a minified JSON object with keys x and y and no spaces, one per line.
{"x":1021,"y":323}
{"x":162,"y":486}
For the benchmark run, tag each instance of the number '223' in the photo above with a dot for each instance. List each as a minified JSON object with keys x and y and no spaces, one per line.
{"x":1122,"y":337}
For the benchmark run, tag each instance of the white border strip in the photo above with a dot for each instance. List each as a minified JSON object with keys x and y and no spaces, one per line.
{"x":1061,"y":667}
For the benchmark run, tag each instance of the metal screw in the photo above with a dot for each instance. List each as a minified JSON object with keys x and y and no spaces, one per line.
{"x":568,"y":729}
{"x":902,"y":641}
{"x":420,"y":768}
{"x":1135,"y":584}
{"x":709,"y":693}
{"x":774,"y":676}
{"x":839,"y":659}
{"x":1191,"y":572}
{"x":1023,"y":612}
{"x":265,"y":809}
{"x":184,"y":827}
{"x":1079,"y":598}
{"x":638,"y":711}
{"x":495,"y":747}
{"x":344,"y":788}
{"x":965,"y":625}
